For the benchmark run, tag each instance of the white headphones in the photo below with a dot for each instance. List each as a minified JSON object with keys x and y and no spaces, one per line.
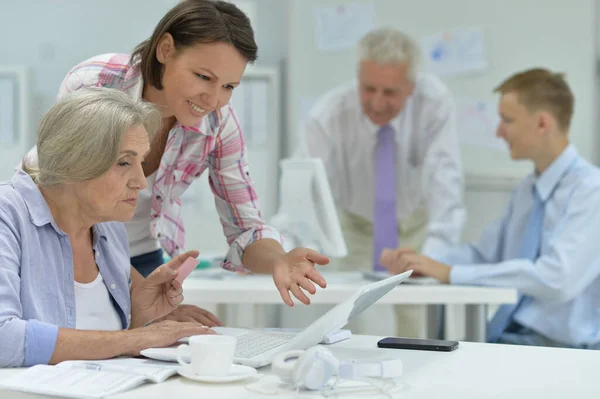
{"x":311,"y":369}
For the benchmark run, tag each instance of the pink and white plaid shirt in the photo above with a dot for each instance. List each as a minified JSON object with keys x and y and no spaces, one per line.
{"x":216,"y":143}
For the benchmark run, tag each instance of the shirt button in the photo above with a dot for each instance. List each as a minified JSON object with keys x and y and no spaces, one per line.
{"x":113,"y":286}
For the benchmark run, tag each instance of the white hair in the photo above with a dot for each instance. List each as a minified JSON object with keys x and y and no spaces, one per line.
{"x":80,"y":136}
{"x":390,"y":46}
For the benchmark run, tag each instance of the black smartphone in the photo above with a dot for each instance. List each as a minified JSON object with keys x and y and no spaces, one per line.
{"x":418,"y":344}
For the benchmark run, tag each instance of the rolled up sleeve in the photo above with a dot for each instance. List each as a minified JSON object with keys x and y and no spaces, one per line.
{"x":40,"y":340}
{"x":235,"y":197}
{"x":22,"y":342}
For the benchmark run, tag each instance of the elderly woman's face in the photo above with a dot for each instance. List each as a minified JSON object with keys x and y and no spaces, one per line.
{"x":113,"y":196}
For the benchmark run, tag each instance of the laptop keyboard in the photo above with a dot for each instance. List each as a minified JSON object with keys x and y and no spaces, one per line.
{"x":255,"y":343}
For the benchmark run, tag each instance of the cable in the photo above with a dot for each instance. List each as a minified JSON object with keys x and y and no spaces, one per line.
{"x":388,"y":388}
{"x":385,"y":387}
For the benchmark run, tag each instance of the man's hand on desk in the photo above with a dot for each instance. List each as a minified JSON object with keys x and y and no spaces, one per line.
{"x":191,"y":313}
{"x":400,"y":260}
{"x":295,"y":271}
{"x":390,"y":257}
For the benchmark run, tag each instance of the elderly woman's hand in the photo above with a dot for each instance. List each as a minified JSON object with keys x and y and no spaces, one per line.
{"x":159,"y":294}
{"x":295,"y":271}
{"x":161,"y":334}
{"x":194,"y":314}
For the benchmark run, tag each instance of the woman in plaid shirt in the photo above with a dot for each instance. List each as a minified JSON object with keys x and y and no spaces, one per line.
{"x":189,"y":67}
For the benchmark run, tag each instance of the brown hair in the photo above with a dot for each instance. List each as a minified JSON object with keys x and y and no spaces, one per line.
{"x":541,"y":89}
{"x":196,"y":21}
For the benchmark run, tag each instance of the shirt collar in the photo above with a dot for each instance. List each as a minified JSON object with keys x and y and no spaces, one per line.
{"x":39,"y":211}
{"x":98,"y":231}
{"x":549,"y":179}
{"x":395,"y":123}
{"x":371,"y":127}
{"x":133,"y":83}
{"x":214,"y":119}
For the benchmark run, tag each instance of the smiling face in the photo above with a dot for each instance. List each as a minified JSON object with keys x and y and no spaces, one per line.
{"x":112,"y":196}
{"x":383,"y":90}
{"x":197,"y":79}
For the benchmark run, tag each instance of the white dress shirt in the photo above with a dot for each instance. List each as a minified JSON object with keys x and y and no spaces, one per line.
{"x":429,"y":171}
{"x":563,"y":284}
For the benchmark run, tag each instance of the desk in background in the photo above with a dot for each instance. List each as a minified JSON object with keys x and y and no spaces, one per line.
{"x":217,"y":287}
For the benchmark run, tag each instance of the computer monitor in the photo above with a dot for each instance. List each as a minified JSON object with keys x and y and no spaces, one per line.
{"x":307,"y":215}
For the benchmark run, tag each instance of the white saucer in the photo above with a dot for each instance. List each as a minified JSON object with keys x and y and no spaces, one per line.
{"x":237,"y":373}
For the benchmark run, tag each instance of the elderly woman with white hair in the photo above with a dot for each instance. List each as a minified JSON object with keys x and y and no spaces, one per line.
{"x":67,"y":289}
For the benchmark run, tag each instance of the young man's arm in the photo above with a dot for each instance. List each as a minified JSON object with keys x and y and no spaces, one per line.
{"x":567,"y":264}
{"x":488,"y":250}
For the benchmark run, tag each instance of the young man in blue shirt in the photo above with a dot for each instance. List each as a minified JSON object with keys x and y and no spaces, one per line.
{"x":545,"y":244}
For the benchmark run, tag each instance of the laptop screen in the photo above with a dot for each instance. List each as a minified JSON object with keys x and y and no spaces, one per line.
{"x":338,"y":316}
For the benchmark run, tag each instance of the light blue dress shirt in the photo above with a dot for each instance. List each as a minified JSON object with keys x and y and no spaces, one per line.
{"x":564,"y":281}
{"x":37,"y":290}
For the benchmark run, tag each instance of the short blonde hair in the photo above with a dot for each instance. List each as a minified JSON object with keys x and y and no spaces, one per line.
{"x":541,"y":89}
{"x":390,"y":46}
{"x":79,"y":138}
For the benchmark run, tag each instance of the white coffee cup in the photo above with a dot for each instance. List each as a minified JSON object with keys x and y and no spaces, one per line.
{"x":210,"y":355}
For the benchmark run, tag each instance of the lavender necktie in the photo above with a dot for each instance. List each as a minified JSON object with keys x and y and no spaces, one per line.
{"x":530,"y":249}
{"x":385,"y":224}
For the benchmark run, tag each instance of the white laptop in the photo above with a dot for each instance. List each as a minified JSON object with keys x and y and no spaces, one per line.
{"x":257,"y":348}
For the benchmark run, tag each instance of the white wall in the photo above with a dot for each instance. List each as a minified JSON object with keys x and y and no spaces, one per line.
{"x":518,"y":34}
{"x":50,"y":37}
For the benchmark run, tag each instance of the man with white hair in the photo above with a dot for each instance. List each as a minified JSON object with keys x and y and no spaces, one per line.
{"x":389,"y":144}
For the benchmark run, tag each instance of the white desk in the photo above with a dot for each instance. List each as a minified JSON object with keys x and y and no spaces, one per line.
{"x":474,"y":370}
{"x":259,"y":289}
